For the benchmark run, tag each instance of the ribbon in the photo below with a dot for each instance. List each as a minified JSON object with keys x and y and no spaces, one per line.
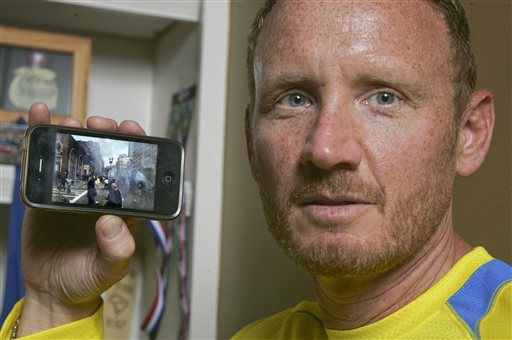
{"x":163,"y":233}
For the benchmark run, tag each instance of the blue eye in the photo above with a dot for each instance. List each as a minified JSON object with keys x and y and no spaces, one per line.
{"x":295,"y":100}
{"x":385,"y":98}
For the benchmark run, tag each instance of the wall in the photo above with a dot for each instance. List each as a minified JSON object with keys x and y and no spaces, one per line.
{"x":114,"y":92}
{"x":176,"y":61}
{"x":483,"y":201}
{"x":256,"y":277}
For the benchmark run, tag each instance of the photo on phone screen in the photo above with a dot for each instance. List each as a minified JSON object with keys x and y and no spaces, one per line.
{"x":105,"y":172}
{"x":70,"y":169}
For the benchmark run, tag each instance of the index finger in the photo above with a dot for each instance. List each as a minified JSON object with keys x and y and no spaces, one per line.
{"x":38,"y":114}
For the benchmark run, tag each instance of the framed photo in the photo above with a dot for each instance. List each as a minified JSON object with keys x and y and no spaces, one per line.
{"x":182,"y":107}
{"x":47,"y":67}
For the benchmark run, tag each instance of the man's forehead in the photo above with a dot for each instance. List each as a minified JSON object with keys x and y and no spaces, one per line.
{"x":412,"y":21}
{"x":407,"y":31}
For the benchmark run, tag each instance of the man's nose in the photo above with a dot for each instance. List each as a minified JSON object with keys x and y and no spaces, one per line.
{"x":333,"y":142}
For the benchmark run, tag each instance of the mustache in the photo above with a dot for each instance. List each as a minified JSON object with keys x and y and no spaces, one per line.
{"x":344,"y":183}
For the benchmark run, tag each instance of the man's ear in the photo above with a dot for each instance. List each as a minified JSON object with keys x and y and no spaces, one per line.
{"x":475,"y":132}
{"x":248,"y":139}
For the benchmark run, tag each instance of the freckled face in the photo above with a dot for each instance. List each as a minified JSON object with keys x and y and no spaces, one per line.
{"x":352,"y":133}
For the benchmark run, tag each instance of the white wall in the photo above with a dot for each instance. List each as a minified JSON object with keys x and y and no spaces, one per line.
{"x":176,"y":62}
{"x":121,"y":79}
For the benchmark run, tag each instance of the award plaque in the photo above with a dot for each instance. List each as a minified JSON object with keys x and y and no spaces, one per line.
{"x":43,"y":67}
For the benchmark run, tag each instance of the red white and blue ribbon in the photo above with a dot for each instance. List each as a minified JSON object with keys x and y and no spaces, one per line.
{"x":163,"y":233}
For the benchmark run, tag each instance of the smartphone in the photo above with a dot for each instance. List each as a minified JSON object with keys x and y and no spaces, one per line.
{"x":81,"y":170}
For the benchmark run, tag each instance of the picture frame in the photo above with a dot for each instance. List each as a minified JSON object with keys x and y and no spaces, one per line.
{"x":180,"y":117}
{"x":41,"y":66}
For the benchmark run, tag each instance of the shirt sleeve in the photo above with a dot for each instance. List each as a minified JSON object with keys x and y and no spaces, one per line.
{"x":90,"y":327}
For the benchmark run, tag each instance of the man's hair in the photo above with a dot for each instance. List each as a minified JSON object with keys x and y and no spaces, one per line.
{"x":462,"y":58}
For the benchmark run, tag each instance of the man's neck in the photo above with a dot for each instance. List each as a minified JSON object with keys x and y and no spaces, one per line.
{"x":349,"y":303}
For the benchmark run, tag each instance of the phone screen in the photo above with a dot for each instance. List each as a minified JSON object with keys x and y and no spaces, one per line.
{"x":104,"y":172}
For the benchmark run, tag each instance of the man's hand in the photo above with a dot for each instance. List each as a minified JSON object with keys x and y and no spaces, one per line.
{"x":67,"y":262}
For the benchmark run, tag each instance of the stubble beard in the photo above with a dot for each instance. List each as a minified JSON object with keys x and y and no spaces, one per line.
{"x":413,"y":221}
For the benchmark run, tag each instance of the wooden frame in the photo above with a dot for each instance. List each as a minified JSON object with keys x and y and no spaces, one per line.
{"x":79,"y":48}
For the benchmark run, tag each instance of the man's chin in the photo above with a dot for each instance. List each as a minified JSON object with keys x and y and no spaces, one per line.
{"x":338,"y":254}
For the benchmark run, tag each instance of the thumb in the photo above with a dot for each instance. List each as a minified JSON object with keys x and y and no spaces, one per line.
{"x":117,"y":247}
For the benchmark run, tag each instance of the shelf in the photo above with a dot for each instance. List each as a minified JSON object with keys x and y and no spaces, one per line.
{"x":134,"y":19}
{"x":176,"y":10}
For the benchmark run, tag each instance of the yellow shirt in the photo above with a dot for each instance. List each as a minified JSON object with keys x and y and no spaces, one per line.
{"x":472,"y":301}
{"x":87,"y":328}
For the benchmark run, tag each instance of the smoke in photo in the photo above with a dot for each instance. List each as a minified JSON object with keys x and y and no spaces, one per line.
{"x":104,"y":172}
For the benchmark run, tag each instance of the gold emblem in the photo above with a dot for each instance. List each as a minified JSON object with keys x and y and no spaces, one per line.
{"x":34,"y":83}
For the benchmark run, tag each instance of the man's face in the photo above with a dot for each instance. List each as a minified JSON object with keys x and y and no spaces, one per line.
{"x":352,"y":135}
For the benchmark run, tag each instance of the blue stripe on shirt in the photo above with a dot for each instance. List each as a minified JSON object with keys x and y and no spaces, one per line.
{"x":473,"y":300}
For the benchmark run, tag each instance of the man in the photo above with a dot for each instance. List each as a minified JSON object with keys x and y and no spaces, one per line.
{"x":63,"y":180}
{"x":114,"y":198}
{"x":362,"y":114}
{"x":361,"y":118}
{"x":91,"y":191}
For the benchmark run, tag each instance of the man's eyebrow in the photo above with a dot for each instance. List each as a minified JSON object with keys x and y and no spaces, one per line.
{"x":286,"y":82}
{"x":410,"y":88}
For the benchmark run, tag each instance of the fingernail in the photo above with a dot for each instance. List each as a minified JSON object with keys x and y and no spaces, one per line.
{"x":111,"y":229}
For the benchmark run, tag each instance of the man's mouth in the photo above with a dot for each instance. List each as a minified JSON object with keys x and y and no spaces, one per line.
{"x":332,"y":200}
{"x":322,"y":202}
{"x":330,"y":210}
